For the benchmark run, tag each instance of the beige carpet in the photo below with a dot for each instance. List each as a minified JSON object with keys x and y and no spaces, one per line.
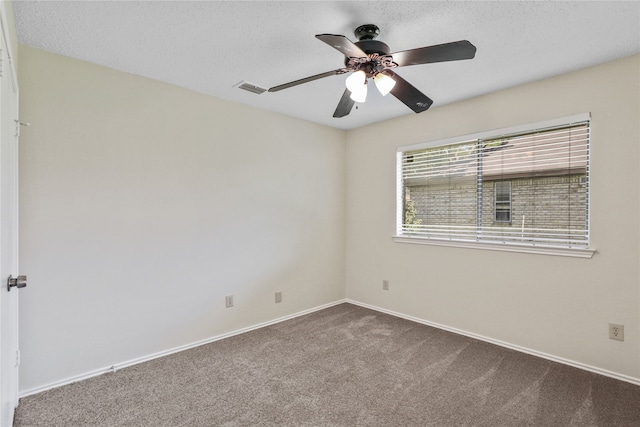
{"x":343,"y":366}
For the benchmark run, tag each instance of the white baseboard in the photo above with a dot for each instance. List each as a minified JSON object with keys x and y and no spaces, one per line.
{"x":121,"y":365}
{"x":551,"y":357}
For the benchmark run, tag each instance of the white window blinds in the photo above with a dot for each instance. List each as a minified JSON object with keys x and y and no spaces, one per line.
{"x":526,"y":187}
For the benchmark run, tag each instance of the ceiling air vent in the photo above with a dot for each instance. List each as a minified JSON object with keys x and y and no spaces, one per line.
{"x":251,"y":87}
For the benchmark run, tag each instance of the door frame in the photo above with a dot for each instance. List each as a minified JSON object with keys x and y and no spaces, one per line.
{"x":9,"y":120}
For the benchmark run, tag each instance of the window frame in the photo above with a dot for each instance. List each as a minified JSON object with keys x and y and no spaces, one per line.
{"x":398,"y":237}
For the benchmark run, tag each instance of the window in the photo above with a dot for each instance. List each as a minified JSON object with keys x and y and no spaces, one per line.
{"x":502,"y":201}
{"x":525,"y":186}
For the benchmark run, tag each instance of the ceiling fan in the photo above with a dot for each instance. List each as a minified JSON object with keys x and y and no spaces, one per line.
{"x":371,"y":59}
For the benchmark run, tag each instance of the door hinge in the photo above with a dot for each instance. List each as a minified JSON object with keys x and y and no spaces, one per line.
{"x":17,"y":358}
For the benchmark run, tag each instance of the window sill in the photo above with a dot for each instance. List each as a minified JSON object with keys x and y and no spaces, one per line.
{"x":505,"y":247}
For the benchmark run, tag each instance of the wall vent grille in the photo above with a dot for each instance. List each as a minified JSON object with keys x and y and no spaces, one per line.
{"x":251,"y":87}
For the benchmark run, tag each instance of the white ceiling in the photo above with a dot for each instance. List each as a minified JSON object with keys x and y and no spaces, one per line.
{"x":210,"y":46}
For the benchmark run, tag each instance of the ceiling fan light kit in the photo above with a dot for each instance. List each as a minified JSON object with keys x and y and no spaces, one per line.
{"x":384,"y":83}
{"x":360,"y":93}
{"x":356,"y":80}
{"x":370,"y":58}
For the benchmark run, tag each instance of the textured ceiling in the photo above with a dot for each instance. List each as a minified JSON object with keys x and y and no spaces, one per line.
{"x":210,"y":46}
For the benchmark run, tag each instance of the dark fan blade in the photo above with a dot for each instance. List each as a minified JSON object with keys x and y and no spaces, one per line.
{"x":308,"y":79}
{"x":343,"y":44}
{"x":345,"y":105}
{"x":439,"y":53}
{"x":409,"y":95}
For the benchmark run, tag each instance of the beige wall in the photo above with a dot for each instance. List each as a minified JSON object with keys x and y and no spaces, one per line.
{"x":555,"y":305}
{"x":144,"y":204}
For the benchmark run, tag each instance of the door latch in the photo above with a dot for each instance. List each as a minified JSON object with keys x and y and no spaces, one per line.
{"x":18,"y":282}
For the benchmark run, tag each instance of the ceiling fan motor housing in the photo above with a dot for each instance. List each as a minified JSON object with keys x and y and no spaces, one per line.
{"x":373,"y":46}
{"x":366,"y":35}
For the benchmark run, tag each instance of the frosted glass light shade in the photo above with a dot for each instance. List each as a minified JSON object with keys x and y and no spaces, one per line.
{"x":384,"y":83}
{"x":356,"y":81}
{"x":360,"y":94}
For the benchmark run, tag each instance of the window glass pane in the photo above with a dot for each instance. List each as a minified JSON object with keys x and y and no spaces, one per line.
{"x":440,"y":190}
{"x":503,"y":215}
{"x":528,"y":188}
{"x":503,"y":191}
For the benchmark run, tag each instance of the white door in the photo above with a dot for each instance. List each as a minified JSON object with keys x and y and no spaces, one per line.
{"x":9,"y":129}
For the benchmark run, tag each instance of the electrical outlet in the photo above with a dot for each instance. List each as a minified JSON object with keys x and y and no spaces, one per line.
{"x":616,"y":331}
{"x":385,"y":285}
{"x":228,"y":300}
{"x":278,"y":297}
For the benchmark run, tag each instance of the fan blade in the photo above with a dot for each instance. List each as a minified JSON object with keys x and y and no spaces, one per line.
{"x":408,"y":94}
{"x":345,"y":105}
{"x":343,"y":44}
{"x":453,"y":51}
{"x":309,"y":79}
